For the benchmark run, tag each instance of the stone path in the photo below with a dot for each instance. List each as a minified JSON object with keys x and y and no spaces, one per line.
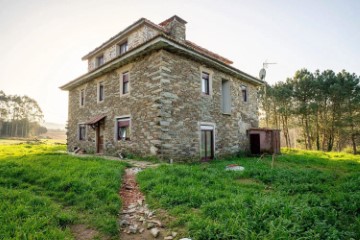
{"x":137,"y":221}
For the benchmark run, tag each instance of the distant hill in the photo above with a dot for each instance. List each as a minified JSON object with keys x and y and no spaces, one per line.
{"x":54,"y":131}
{"x":54,"y":134}
{"x":50,"y":125}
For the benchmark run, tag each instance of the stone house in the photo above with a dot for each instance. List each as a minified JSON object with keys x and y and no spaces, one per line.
{"x":150,"y":91}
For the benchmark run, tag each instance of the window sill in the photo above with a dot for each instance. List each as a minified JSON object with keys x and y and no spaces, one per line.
{"x":224,"y":113}
{"x":125,"y":95}
{"x":123,"y":140}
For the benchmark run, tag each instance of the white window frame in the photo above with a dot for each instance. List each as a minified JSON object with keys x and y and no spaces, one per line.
{"x":98,"y":92}
{"x":244,"y":87}
{"x":80,"y":92}
{"x":119,"y":47}
{"x":211,"y":74}
{"x":116,"y":120}
{"x":207,"y":126}
{"x":122,"y":84}
{"x":78,"y":131}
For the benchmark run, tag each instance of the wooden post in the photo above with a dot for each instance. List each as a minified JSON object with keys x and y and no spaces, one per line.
{"x":272,"y":161}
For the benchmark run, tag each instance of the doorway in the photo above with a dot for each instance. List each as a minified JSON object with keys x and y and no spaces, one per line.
{"x":255,"y":143}
{"x":207,"y":144}
{"x":100,"y":137}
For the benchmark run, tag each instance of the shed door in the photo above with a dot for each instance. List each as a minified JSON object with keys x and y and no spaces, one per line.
{"x":255,"y":143}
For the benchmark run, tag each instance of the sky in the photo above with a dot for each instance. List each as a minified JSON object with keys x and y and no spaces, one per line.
{"x":42,"y":41}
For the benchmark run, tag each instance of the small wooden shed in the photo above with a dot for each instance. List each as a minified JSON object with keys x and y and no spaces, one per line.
{"x":264,"y":140}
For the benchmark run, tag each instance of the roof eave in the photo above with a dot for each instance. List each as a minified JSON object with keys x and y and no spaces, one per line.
{"x":113,"y":64}
{"x":159,"y":42}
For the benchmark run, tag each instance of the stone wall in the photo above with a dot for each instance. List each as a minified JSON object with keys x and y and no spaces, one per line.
{"x":142,"y":104}
{"x":167,"y":107}
{"x":134,"y":39}
{"x":176,"y":29}
{"x":184,"y":107}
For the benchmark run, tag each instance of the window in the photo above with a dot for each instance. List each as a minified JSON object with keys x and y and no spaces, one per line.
{"x":82,"y":97}
{"x":205,"y":83}
{"x":244,"y":93}
{"x":125,"y":87}
{"x":123,"y":48}
{"x":99,"y":60}
{"x":123,"y":129}
{"x":82,"y":132}
{"x":101,"y":92}
{"x":225,"y":96}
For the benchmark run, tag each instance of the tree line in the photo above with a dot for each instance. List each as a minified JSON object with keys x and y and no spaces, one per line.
{"x":324,"y":106}
{"x":20,"y":116}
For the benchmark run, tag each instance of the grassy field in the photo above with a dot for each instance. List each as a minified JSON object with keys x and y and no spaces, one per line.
{"x":44,"y":191}
{"x":11,"y":141}
{"x":307,"y":195}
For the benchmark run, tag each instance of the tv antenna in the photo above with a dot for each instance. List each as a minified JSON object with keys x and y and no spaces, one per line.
{"x":262,"y":73}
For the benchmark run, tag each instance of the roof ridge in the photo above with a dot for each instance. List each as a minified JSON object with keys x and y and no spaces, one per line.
{"x":162,"y":30}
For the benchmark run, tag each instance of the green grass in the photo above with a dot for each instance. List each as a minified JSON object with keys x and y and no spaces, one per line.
{"x":307,"y":195}
{"x":44,"y":191}
{"x":11,"y":141}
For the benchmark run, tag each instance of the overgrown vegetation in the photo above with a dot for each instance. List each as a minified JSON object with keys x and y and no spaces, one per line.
{"x":307,"y":195}
{"x":43,"y":192}
{"x":325,"y":106}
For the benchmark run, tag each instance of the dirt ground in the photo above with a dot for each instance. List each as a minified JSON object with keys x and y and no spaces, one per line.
{"x":136,"y":220}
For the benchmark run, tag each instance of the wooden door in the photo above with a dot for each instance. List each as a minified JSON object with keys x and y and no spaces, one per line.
{"x":207,"y":145}
{"x":99,"y":138}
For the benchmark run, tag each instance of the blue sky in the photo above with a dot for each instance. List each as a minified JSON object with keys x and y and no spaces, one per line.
{"x":42,"y":41}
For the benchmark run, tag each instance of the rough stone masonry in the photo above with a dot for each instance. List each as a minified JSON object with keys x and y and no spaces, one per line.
{"x":165,"y":103}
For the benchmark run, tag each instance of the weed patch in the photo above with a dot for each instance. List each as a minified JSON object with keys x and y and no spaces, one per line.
{"x":44,"y":192}
{"x":307,"y":195}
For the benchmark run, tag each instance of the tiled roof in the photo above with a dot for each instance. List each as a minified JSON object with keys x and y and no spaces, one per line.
{"x":95,"y":119}
{"x":161,"y":41}
{"x":161,"y":28}
{"x":207,"y":52}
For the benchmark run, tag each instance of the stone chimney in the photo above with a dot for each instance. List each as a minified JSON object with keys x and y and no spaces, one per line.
{"x":175,"y":27}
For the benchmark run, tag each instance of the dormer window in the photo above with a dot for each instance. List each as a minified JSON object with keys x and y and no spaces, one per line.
{"x":99,"y":60}
{"x":123,"y":48}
